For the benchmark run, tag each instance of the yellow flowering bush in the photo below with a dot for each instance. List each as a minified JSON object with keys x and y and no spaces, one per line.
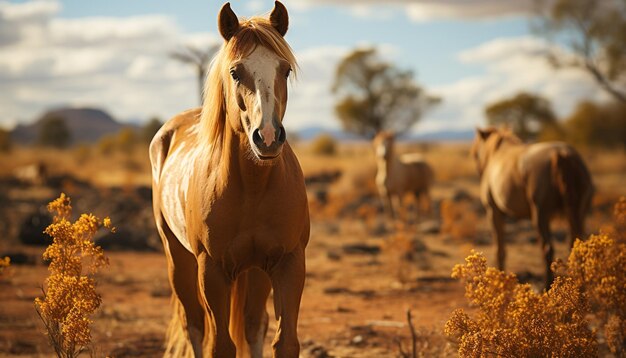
{"x":69,"y":294}
{"x":512,"y":320}
{"x":4,"y":265}
{"x":598,"y":266}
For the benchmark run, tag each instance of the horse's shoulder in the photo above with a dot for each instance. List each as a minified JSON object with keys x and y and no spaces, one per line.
{"x":165,"y":138}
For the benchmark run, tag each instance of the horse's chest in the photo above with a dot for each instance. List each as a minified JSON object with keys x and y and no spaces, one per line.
{"x":255,"y":231}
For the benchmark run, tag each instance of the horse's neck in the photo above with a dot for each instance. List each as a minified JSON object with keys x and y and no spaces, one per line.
{"x":387,"y":164}
{"x":242,"y":167}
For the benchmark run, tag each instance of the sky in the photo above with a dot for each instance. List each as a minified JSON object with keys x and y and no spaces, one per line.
{"x":114,"y":55}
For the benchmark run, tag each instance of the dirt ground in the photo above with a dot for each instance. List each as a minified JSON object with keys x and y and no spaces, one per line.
{"x":363,"y":274}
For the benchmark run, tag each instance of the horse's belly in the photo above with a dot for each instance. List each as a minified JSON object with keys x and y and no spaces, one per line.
{"x":508,"y":195}
{"x":513,"y":203}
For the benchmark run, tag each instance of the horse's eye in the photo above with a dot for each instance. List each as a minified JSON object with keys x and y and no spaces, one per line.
{"x":234,"y":75}
{"x":288,"y":72}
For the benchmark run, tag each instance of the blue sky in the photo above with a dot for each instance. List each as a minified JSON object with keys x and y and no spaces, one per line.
{"x":113,"y":55}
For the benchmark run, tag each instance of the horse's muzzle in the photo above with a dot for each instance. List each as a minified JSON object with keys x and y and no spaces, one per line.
{"x":268,"y":152}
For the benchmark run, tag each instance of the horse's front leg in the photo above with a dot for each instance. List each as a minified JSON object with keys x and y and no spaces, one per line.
{"x":288,"y":283}
{"x":216,"y":286}
{"x":385,"y":197}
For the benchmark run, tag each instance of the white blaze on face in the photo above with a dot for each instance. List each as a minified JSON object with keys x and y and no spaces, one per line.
{"x":262,"y":65}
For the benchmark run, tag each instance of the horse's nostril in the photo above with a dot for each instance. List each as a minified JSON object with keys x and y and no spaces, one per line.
{"x":256,"y":137}
{"x":282,"y":135}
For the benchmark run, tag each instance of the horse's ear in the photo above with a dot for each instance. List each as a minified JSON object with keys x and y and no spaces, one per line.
{"x":483,"y":133}
{"x":227,"y":22}
{"x":279,"y":18}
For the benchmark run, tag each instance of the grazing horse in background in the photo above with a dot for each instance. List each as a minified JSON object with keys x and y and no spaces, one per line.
{"x":536,"y":181}
{"x":398,"y":175}
{"x":230,"y":202}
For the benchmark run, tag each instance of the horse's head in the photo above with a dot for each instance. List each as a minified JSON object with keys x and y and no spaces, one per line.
{"x":383,"y":145}
{"x":486,"y":142}
{"x":255,"y":70}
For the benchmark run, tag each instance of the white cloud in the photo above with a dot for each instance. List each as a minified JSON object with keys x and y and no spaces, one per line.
{"x":119,"y":64}
{"x":122,"y":65}
{"x":310,"y":100}
{"x":511,"y":65}
{"x":427,"y":10}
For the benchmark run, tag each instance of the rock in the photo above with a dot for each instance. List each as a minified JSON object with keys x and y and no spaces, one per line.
{"x":32,"y":228}
{"x":361,"y":249}
{"x":429,"y":227}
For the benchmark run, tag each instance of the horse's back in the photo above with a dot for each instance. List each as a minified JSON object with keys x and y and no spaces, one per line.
{"x":539,"y":163}
{"x":166,"y":138}
{"x":172,"y":153}
{"x":419,"y":173}
{"x":528,"y":176}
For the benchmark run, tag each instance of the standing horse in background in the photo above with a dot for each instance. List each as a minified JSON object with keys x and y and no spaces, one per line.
{"x":536,"y":181}
{"x":399,"y":175}
{"x":230,"y":202}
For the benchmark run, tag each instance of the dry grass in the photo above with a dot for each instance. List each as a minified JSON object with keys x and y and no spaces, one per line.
{"x":458,"y":219}
{"x":85,"y":163}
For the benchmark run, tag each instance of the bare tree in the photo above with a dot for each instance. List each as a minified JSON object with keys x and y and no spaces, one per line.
{"x":199,"y":58}
{"x":595,"y":30}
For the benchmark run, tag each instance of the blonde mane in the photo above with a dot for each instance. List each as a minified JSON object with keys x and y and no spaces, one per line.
{"x":253,"y":32}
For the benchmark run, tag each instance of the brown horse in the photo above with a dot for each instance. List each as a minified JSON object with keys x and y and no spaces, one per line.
{"x":399,"y":175}
{"x":230,"y":202}
{"x":536,"y":181}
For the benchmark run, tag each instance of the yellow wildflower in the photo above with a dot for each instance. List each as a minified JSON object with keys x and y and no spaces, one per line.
{"x":70,"y":295}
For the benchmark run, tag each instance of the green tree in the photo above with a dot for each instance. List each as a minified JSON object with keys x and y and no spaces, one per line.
{"x":149,"y":129}
{"x":5,"y":140}
{"x":374,"y":95}
{"x":54,"y":133}
{"x":595,"y":33}
{"x":526,"y":114}
{"x":325,"y":145}
{"x":596,"y":125}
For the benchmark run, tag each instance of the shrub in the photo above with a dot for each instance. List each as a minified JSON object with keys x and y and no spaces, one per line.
{"x":150,"y":129}
{"x":598,"y":266}
{"x":458,"y":219}
{"x":69,"y":296}
{"x":5,"y":140}
{"x":324,"y":144}
{"x":54,"y":133}
{"x":4,"y":265}
{"x":513,"y":320}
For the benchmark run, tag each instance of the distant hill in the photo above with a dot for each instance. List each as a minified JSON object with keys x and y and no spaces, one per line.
{"x":87,"y":125}
{"x":447,"y":135}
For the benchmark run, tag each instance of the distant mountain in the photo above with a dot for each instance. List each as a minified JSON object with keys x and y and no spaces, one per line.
{"x":448,"y":135}
{"x":87,"y":125}
{"x":313,"y":132}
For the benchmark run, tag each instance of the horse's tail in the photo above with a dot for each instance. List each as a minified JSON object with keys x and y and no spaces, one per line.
{"x":573,"y":181}
{"x":237,"y":326}
{"x":176,"y":342}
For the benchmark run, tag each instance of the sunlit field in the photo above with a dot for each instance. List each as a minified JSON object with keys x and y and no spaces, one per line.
{"x":364,"y":271}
